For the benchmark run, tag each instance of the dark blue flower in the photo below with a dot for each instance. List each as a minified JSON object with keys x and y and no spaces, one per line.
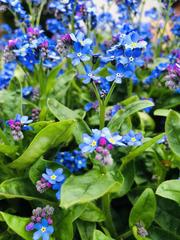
{"x":90,"y":74}
{"x":80,"y":54}
{"x":43,"y":230}
{"x":27,"y":91}
{"x":116,"y":75}
{"x":74,"y":161}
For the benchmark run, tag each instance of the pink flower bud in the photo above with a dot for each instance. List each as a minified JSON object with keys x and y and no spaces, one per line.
{"x":102,"y":141}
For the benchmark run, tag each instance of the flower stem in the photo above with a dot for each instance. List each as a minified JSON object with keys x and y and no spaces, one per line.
{"x":125,"y":235}
{"x":106,"y":206}
{"x":102,"y":115}
{"x":109,"y":94}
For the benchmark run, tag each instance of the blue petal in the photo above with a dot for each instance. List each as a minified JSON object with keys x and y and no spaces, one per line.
{"x":45,"y":236}
{"x":37,"y":235}
{"x":50,"y":229}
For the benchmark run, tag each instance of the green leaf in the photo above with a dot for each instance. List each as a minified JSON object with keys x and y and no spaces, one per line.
{"x":17,"y":224}
{"x":8,"y":150}
{"x":139,"y":150}
{"x":92,"y":214}
{"x":38,"y":126}
{"x":64,"y":219}
{"x":49,"y":137}
{"x":158,"y":234}
{"x":61,"y":112}
{"x":117,"y":120}
{"x":170,"y":189}
{"x":98,"y":235}
{"x":161,"y":112}
{"x":144,"y":209}
{"x":51,"y":79}
{"x":172,"y":128}
{"x":23,"y":188}
{"x":86,"y":229}
{"x":168,"y":222}
{"x":87,"y":187}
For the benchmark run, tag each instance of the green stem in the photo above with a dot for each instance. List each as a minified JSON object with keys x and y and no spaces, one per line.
{"x":129,"y":87}
{"x":102,"y":115}
{"x":109,"y":94}
{"x":125,"y":235}
{"x":106,"y":206}
{"x":3,"y":137}
{"x":40,"y":12}
{"x":73,"y":18}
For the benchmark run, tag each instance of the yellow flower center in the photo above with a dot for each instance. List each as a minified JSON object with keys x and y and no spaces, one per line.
{"x":43,"y":229}
{"x":133,"y":139}
{"x":79,"y":54}
{"x":53,"y":177}
{"x":111,"y":140}
{"x":93,"y":144}
{"x":133,"y":45}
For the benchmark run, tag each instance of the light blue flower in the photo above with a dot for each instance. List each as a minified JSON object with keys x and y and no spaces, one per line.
{"x":113,"y":138}
{"x":54,"y":177}
{"x":44,"y":230}
{"x":132,"y":138}
{"x":90,"y":142}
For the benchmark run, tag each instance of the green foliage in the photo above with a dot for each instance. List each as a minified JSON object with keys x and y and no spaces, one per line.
{"x":144,"y":209}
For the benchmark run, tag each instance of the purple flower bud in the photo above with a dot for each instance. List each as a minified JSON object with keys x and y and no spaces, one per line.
{"x":30,"y":227}
{"x":105,"y":152}
{"x":98,"y":157}
{"x":99,"y":149}
{"x":102,"y":141}
{"x":109,"y":146}
{"x":50,"y":221}
{"x":43,"y":214}
{"x":38,"y":219}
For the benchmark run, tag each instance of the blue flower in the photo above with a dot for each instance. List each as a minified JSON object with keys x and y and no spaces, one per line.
{"x":133,"y":41}
{"x":80,"y":54}
{"x":132,"y":139}
{"x":116,"y":75}
{"x":27,"y":91}
{"x":43,"y":230}
{"x":74,"y":161}
{"x":152,"y":13}
{"x":80,"y":38}
{"x":91,"y":105}
{"x":112,"y":138}
{"x":90,"y":74}
{"x":54,"y":177}
{"x":90,"y":143}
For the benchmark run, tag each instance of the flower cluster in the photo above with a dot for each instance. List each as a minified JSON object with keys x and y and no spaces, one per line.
{"x":103,"y":141}
{"x":19,"y":124}
{"x":51,"y":179}
{"x":74,"y":161}
{"x":41,"y":221}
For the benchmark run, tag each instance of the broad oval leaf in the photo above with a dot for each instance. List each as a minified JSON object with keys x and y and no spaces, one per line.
{"x":87,"y":187}
{"x":92,"y":213}
{"x":170,"y":189}
{"x":144,"y":209}
{"x":158,"y":234}
{"x":17,"y":224}
{"x":172,"y":128}
{"x":49,"y":137}
{"x":23,"y":188}
{"x":8,"y":150}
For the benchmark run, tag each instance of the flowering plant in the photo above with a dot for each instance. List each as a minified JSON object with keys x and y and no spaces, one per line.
{"x":89,"y":122}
